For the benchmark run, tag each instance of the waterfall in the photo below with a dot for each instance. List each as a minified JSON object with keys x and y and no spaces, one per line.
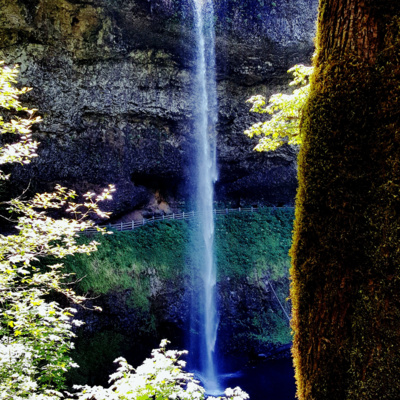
{"x":204,"y":128}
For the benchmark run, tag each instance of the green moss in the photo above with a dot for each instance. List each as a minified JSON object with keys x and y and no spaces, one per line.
{"x":129,"y":260}
{"x":246,"y":245}
{"x":270,"y":327}
{"x":253,"y":244}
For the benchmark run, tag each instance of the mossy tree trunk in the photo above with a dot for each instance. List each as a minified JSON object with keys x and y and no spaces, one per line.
{"x":346,"y":248}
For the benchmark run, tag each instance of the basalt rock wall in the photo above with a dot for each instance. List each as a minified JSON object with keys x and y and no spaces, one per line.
{"x":112,"y":80}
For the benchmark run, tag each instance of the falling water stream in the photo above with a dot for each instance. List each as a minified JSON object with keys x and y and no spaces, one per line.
{"x":204,"y":126}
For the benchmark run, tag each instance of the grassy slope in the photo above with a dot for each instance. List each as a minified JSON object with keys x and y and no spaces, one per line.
{"x":248,"y":247}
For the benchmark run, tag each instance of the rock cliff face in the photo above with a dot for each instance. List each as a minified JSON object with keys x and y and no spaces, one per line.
{"x":112,"y":80}
{"x":252,"y":326}
{"x":251,"y":321}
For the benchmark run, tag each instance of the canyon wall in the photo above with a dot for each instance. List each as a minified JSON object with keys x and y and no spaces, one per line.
{"x":112,"y":80}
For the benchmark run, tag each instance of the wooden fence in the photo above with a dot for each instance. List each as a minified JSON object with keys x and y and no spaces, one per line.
{"x":131,"y":225}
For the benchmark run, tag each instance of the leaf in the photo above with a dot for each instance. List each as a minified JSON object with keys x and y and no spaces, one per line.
{"x":284,"y":125}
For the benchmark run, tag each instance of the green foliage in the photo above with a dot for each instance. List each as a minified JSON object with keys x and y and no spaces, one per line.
{"x":35,"y":334}
{"x":24,"y":149}
{"x":246,"y":245}
{"x":159,"y":377}
{"x":250,"y":244}
{"x":129,"y":260}
{"x":249,"y":247}
{"x":286,"y":110}
{"x":269,"y":327}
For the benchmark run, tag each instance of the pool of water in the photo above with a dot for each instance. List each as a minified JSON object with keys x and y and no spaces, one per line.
{"x":270,"y":380}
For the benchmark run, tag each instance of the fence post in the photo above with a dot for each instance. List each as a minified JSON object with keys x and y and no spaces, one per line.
{"x":226,"y":211}
{"x":133,"y":224}
{"x":251,"y":208}
{"x":173,"y":215}
{"x":183,"y":215}
{"x":239,"y":209}
{"x":163,"y":217}
{"x":143,"y":222}
{"x":121,"y":226}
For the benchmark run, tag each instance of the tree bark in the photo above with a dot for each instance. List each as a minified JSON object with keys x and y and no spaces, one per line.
{"x":346,"y":245}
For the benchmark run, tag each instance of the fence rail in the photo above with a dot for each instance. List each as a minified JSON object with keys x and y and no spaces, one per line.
{"x":131,"y":225}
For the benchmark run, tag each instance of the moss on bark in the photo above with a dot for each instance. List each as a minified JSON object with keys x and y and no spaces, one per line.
{"x":345,"y":253}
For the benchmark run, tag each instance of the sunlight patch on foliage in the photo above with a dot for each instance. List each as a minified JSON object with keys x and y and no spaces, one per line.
{"x":285,"y":109}
{"x":35,"y":333}
{"x":159,"y":377}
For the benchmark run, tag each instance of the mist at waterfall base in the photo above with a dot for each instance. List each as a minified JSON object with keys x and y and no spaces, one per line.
{"x":264,"y":380}
{"x":267,"y":380}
